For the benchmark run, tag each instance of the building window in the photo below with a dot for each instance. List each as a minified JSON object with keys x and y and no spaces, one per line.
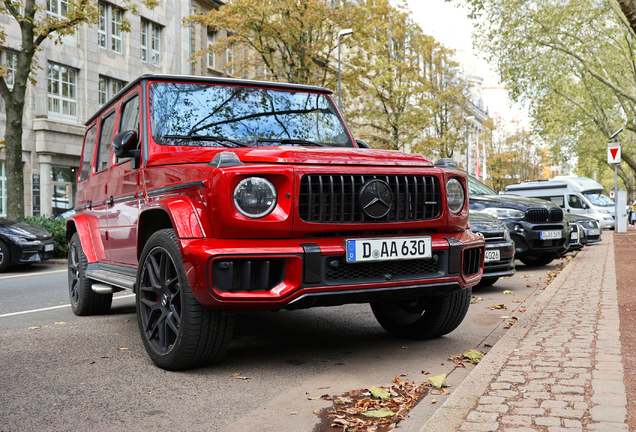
{"x":108,"y":13}
{"x":211,"y":54}
{"x":116,"y":16}
{"x":62,"y":92}
{"x":229,"y":58}
{"x":102,"y":27}
{"x":10,"y":61}
{"x":108,"y":87}
{"x":57,"y":8}
{"x":63,"y":185}
{"x":150,"y":42}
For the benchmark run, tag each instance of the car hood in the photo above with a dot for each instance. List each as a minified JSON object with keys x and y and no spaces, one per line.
{"x":479,"y":202}
{"x":482,"y":222}
{"x":35,"y":230}
{"x":294,"y":155}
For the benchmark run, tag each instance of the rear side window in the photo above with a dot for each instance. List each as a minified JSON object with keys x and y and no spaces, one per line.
{"x":105,"y":139}
{"x":89,"y":147}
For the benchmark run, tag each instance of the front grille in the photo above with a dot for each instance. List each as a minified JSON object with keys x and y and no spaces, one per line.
{"x":385,"y":270}
{"x":335,"y":198}
{"x":543,"y":215}
{"x":493,"y":236}
{"x":472,"y":261}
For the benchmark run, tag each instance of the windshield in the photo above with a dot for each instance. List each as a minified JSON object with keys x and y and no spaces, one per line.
{"x":220,"y":115}
{"x":475,"y":187}
{"x":599,"y":199}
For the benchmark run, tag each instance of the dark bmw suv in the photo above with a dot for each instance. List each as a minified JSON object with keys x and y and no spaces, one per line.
{"x":499,"y":258}
{"x":537,"y":226}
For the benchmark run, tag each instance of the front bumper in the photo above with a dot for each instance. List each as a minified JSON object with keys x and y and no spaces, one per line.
{"x":32,"y":253}
{"x":505,"y":266}
{"x":308,"y":272}
{"x":527,"y":238}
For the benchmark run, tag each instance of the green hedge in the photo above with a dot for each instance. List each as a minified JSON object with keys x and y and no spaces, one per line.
{"x":57,"y":227}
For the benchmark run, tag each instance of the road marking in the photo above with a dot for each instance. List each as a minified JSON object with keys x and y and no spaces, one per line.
{"x":56,"y":307}
{"x":33,"y":274}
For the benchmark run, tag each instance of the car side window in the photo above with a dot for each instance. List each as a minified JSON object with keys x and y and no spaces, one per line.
{"x":130,"y":115}
{"x":87,"y":155}
{"x":575,"y":202}
{"x":129,"y":120}
{"x":105,"y":140}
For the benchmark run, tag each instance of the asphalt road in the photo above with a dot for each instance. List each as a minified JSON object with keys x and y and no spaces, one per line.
{"x":63,"y":372}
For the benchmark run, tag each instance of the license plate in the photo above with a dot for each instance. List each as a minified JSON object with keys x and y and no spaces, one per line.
{"x":574,"y":235}
{"x":550,"y":235}
{"x":492,"y":255}
{"x":384,"y":249}
{"x":48,"y":247}
{"x":595,"y":231}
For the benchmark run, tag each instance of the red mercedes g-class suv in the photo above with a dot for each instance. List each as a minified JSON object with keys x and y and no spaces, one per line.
{"x":205,"y":196}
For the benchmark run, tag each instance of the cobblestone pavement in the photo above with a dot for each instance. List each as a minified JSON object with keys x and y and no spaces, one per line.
{"x":559,"y":368}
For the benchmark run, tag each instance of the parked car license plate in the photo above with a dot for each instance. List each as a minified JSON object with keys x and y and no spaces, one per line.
{"x":550,"y":235}
{"x":492,"y":255}
{"x":384,"y":249}
{"x":594,"y":231}
{"x":48,"y":247}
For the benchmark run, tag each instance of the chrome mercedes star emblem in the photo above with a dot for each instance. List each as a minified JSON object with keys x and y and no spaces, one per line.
{"x":376,"y":198}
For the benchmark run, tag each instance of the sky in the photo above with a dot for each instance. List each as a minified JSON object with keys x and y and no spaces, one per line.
{"x":448,"y":24}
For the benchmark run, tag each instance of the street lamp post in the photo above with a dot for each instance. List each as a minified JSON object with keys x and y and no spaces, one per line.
{"x":341,"y":33}
{"x":468,"y":119}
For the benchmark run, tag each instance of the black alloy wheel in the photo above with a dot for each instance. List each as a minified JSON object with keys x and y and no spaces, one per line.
{"x":84,"y":301}
{"x":160,"y":301}
{"x":177,"y":331}
{"x":5,"y":256}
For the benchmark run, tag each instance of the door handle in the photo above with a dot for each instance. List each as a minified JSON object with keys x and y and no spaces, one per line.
{"x":110,"y":200}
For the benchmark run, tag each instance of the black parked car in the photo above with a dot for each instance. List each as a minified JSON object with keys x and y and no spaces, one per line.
{"x":537,"y":226}
{"x":589,"y":227}
{"x":23,"y":243}
{"x":499,"y":260}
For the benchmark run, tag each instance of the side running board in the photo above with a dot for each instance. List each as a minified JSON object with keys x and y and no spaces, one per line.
{"x":112,"y":278}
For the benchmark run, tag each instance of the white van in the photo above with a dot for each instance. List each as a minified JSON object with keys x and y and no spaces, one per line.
{"x":578,"y":195}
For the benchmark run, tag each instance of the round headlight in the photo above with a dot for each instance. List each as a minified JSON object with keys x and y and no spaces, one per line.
{"x":255,"y":197}
{"x":455,"y":195}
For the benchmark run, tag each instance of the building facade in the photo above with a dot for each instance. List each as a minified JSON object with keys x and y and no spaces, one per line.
{"x":84,"y":72}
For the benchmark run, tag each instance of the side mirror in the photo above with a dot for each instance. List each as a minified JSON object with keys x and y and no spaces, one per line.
{"x":362,"y":144}
{"x":125,"y":146}
{"x":585,"y":206}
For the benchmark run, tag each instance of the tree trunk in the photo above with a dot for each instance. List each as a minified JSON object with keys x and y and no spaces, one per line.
{"x":13,"y":145}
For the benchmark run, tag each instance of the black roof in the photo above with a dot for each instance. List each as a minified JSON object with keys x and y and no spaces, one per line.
{"x":208,"y":80}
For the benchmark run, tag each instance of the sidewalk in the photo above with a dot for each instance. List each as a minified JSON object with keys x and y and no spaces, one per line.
{"x":559,"y":368}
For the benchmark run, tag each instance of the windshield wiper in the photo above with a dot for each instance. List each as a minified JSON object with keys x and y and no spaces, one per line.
{"x":218,"y":139}
{"x":292,"y":141}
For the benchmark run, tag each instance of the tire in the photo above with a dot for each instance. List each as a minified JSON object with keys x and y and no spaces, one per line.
{"x":423,"y":317}
{"x":538,"y":260}
{"x":5,"y":257}
{"x":84,"y":301}
{"x":177,"y":331}
{"x":487,"y":281}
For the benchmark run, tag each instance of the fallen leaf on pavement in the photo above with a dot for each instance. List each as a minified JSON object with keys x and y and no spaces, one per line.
{"x":424,"y":372}
{"x":235,"y":374}
{"x":381,"y":413}
{"x":60,"y":323}
{"x":379,"y":393}
{"x":438,"y":381}
{"x":34,"y":328}
{"x":508,"y":292}
{"x":474,"y":355}
{"x":521,"y":309}
{"x":497,"y":306}
{"x":123,"y":349}
{"x":433,"y":401}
